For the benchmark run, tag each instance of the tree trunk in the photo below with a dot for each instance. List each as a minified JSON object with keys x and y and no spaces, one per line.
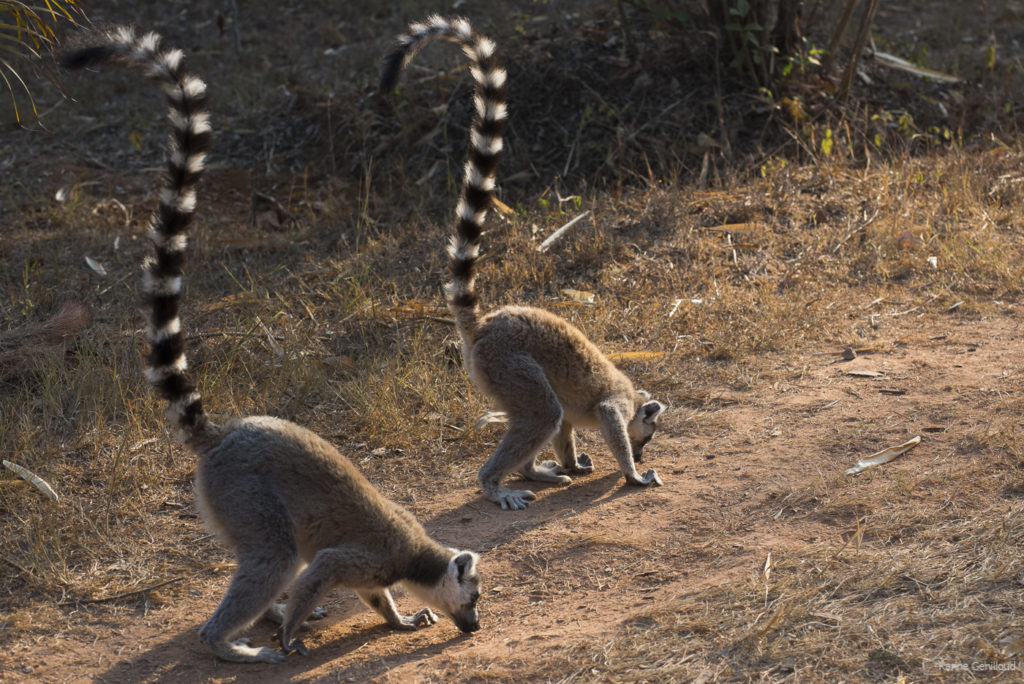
{"x":786,"y":34}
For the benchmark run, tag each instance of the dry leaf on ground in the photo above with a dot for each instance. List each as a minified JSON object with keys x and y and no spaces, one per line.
{"x":27,"y":475}
{"x":884,"y":456}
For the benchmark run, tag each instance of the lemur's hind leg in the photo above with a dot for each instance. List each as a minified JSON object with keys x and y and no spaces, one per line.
{"x":516,"y":451}
{"x":260,"y":577}
{"x":268,"y":558}
{"x":255,"y":522}
{"x":380,"y":600}
{"x":522,"y":390}
{"x":567,"y":461}
{"x":547,"y":471}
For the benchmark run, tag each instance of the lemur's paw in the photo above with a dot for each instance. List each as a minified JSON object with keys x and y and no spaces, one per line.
{"x":424,"y":618}
{"x":548,"y":471}
{"x":275,"y":613}
{"x":584,"y":464}
{"x":242,"y":651}
{"x":651,"y":478}
{"x":295,"y":645}
{"x":515,"y":499}
{"x":269,"y":655}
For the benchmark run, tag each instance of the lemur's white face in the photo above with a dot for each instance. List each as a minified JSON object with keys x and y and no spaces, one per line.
{"x":641,"y":428}
{"x":457,"y":594}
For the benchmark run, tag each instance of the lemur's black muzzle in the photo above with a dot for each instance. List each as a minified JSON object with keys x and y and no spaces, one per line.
{"x":467,"y":626}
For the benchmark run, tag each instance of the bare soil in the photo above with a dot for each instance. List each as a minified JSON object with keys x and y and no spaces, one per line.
{"x":586,"y":561}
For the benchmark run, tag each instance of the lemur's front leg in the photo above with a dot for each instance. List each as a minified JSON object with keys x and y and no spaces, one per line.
{"x":614,"y":428}
{"x":380,"y":600}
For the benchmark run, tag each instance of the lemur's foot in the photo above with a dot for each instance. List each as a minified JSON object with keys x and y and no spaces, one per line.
{"x":422,"y":618}
{"x":295,"y":645}
{"x":548,"y":471}
{"x":510,"y":499}
{"x":584,"y":464}
{"x":242,"y":651}
{"x":650,"y":478}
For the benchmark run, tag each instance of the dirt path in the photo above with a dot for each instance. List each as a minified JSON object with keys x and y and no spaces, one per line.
{"x":740,"y":475}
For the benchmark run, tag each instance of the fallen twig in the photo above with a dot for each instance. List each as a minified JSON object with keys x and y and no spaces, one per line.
{"x":543,"y":247}
{"x":894,"y":62}
{"x":116,"y":597}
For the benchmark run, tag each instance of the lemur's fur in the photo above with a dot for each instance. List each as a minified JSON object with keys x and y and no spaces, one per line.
{"x":543,"y":372}
{"x":280,"y":496}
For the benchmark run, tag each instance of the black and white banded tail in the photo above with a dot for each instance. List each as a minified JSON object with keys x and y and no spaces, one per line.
{"x":484,"y":149}
{"x":167,"y":367}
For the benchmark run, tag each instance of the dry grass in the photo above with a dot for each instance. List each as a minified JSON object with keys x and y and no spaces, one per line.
{"x":869,"y":610}
{"x":355,"y":346}
{"x":335,"y":322}
{"x":924,"y":583}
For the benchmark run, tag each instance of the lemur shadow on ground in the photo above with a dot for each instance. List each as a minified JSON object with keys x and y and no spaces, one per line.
{"x":183,"y":659}
{"x":481,"y":525}
{"x":477,"y":523}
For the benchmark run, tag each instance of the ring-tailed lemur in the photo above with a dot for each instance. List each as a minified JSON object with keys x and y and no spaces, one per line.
{"x":543,"y":372}
{"x":280,"y":496}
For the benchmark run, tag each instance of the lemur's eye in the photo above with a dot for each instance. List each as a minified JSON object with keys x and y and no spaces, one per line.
{"x":474,"y":598}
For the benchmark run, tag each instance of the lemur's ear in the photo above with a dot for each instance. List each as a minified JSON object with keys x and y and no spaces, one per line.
{"x":651,"y":410}
{"x":465,"y":564}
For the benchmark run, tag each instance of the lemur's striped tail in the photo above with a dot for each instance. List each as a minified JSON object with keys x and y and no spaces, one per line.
{"x":484,"y":149}
{"x":167,"y":368}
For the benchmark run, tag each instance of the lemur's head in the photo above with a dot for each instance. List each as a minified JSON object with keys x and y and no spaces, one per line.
{"x":644,"y":423}
{"x":457,"y":592}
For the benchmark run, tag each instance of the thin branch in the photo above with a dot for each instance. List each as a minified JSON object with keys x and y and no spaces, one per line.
{"x":116,"y":597}
{"x":858,"y":48}
{"x":543,"y":247}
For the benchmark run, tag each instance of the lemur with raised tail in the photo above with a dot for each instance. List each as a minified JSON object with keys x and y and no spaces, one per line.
{"x":543,"y":372}
{"x":299,"y":516}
